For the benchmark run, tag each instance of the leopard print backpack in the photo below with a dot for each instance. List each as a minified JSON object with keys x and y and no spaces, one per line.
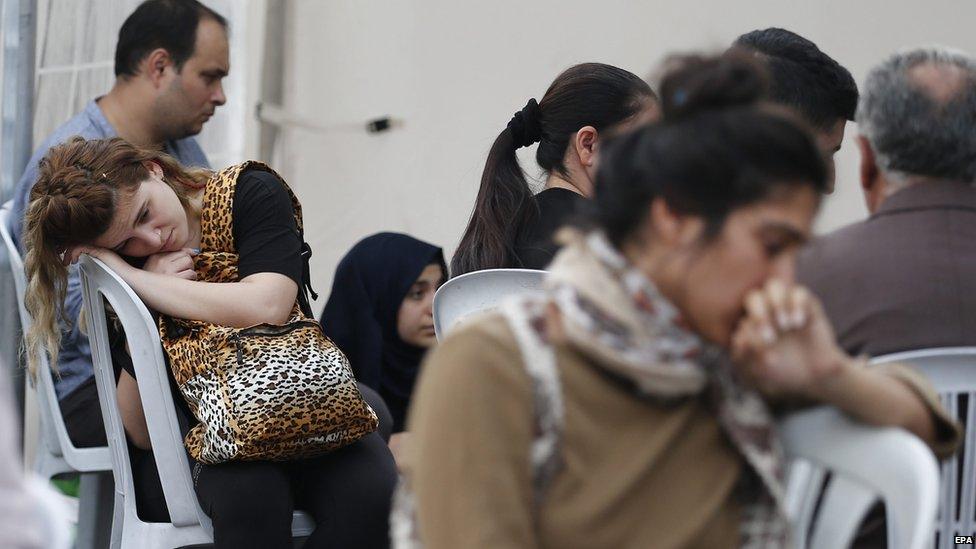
{"x":267,"y":392}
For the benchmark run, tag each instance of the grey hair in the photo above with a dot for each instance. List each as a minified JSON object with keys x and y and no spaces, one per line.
{"x":912,"y":132}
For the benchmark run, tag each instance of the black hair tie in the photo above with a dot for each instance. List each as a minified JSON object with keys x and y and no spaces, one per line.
{"x":526,"y":125}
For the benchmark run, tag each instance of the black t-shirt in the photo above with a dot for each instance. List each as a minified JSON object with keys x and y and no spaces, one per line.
{"x":265,"y":234}
{"x":534,"y":245}
{"x":267,"y":241}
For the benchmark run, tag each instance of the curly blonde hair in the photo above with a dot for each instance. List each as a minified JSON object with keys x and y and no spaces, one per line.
{"x":79,"y":186}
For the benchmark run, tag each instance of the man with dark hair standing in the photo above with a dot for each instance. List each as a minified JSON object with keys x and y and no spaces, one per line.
{"x":808,"y":81}
{"x":169,"y":62}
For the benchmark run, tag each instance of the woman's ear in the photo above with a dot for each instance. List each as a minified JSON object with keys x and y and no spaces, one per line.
{"x":671,"y":228}
{"x":585,"y":145}
{"x":154,"y":168}
{"x":663,"y":222}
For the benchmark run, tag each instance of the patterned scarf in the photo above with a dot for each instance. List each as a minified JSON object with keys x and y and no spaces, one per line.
{"x":614,"y":314}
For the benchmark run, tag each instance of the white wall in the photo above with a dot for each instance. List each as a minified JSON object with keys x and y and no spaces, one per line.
{"x":456,"y":71}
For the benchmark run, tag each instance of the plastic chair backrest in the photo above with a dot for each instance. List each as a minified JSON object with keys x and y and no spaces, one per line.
{"x":867,"y":463}
{"x":479,"y":291}
{"x":142,"y":336}
{"x":100,"y":284}
{"x":952,"y":370}
{"x":56,"y":440}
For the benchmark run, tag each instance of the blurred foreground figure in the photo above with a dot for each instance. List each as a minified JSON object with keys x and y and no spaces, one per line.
{"x":631,"y":405}
{"x":20,"y":525}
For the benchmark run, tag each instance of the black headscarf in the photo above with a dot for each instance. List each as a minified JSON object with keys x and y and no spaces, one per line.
{"x":370,"y":283}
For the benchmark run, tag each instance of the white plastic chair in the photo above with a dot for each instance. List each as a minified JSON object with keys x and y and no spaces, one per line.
{"x":867,"y":463}
{"x":189,"y":524}
{"x":55,"y":453}
{"x":952,"y":370}
{"x":479,"y":291}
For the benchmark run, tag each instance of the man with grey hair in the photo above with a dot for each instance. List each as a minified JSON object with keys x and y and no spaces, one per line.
{"x":906,"y":277}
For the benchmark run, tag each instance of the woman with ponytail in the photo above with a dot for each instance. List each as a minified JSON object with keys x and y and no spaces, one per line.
{"x":631,"y":404}
{"x":146,"y":217}
{"x":510,"y":227}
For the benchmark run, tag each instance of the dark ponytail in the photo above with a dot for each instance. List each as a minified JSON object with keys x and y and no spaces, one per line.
{"x":590,"y":94}
{"x":718,"y":148}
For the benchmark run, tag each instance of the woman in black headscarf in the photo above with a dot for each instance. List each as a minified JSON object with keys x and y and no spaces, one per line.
{"x":379,"y":313}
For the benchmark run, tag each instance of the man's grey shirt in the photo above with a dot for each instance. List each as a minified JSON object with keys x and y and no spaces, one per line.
{"x":74,"y":360}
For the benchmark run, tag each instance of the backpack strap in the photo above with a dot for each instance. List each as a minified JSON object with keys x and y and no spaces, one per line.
{"x":217,"y":227}
{"x":539,"y":360}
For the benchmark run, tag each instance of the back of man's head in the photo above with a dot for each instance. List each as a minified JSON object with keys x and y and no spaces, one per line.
{"x":803,"y":77}
{"x":167,"y":24}
{"x":918,"y":112}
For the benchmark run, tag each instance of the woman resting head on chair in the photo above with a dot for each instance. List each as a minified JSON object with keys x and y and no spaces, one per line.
{"x":129,"y":206}
{"x":676,"y":328}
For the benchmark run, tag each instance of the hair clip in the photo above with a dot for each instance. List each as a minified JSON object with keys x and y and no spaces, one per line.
{"x":680,"y":96}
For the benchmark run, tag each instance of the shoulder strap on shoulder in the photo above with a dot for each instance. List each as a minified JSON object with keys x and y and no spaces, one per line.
{"x":539,"y":360}
{"x":218,"y":200}
{"x":255,"y":165}
{"x":217,"y":226}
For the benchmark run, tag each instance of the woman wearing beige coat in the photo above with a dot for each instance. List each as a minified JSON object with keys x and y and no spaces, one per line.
{"x":676,"y":331}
